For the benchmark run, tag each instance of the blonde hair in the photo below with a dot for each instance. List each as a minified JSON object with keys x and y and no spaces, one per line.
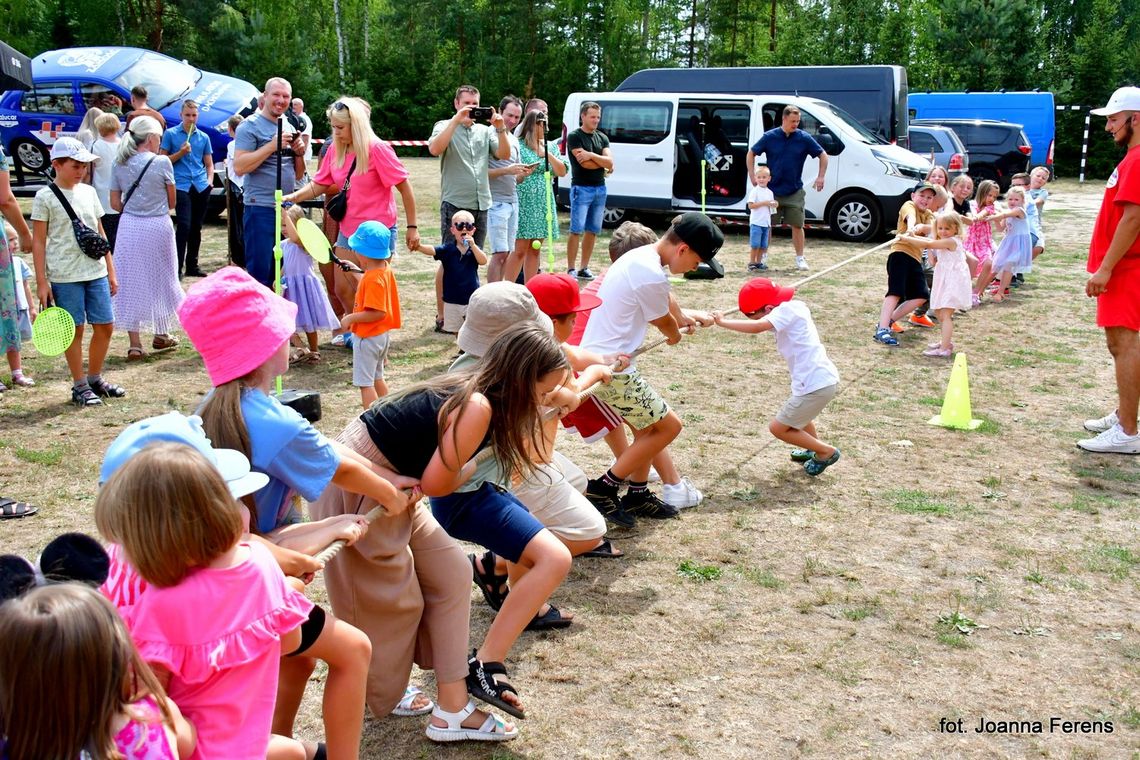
{"x":940,"y":193}
{"x":355,"y":114}
{"x":462,"y":216}
{"x":985,"y":187}
{"x":763,"y":168}
{"x":953,"y":218}
{"x":68,"y":668}
{"x":961,"y":179}
{"x":628,"y":236}
{"x":140,"y":129}
{"x":107,"y":124}
{"x":295,"y":212}
{"x":938,"y":168}
{"x":1016,"y":191}
{"x":87,"y":126}
{"x":1041,"y":170}
{"x":170,"y":510}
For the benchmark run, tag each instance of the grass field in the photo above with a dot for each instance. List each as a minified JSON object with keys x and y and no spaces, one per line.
{"x":931,"y":576}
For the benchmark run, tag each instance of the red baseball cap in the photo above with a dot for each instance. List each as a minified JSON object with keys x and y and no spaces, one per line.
{"x":558,"y":294}
{"x":761,"y":292}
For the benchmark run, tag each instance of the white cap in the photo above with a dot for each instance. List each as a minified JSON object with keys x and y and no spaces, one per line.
{"x":69,"y":147}
{"x":1124,"y":99}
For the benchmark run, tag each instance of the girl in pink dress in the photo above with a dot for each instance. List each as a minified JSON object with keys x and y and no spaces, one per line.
{"x":952,"y":269}
{"x":217,"y":614}
{"x":979,"y":238}
{"x":72,"y":682}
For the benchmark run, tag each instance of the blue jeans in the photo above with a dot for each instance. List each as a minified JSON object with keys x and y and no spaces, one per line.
{"x":758,"y":236}
{"x":587,"y":205}
{"x":260,"y":230}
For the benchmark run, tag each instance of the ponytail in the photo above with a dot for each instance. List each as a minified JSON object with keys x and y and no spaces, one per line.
{"x":224,"y":425}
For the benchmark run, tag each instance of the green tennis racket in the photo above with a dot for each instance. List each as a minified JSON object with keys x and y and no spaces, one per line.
{"x":314,"y":241}
{"x":53,"y":331}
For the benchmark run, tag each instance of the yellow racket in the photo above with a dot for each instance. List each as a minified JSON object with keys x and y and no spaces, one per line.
{"x":53,"y":331}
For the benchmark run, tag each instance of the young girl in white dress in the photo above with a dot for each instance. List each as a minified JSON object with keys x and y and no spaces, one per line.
{"x":952,"y":282}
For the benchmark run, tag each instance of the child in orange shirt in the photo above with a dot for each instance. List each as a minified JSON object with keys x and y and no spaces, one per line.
{"x":375,"y":312}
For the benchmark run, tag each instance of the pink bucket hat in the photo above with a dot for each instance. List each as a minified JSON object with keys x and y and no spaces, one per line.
{"x":235,"y":322}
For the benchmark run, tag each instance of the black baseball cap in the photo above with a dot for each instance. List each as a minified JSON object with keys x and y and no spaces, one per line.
{"x":699,"y":233}
{"x":922,"y":186}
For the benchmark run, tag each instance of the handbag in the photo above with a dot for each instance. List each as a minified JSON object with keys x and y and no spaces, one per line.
{"x":138,"y":179}
{"x":337,"y":207}
{"x":93,"y":245}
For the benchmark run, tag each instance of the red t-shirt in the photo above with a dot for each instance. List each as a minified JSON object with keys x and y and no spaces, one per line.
{"x":370,"y":195}
{"x":1123,"y":188}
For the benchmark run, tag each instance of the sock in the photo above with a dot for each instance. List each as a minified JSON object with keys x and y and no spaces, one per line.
{"x":612,"y":480}
{"x":636,"y":488}
{"x":94,"y":379}
{"x":79,"y":385}
{"x":17,"y":373}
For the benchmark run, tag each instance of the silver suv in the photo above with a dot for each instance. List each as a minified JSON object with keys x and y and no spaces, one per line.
{"x":942,"y":146}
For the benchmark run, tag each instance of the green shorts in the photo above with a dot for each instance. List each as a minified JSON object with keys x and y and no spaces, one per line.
{"x":634,"y":399}
{"x":791,"y":209}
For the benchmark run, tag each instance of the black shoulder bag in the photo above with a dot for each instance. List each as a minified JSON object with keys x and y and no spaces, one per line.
{"x":337,"y":207}
{"x":92,"y":244}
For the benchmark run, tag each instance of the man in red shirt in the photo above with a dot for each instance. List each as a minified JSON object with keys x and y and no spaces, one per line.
{"x":1114,"y":263}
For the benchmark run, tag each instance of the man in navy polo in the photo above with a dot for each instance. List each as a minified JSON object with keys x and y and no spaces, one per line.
{"x":190,"y":152}
{"x":786,"y":148}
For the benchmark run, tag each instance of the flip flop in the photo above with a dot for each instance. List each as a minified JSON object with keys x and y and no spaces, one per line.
{"x":10,"y":509}
{"x":605,"y":550}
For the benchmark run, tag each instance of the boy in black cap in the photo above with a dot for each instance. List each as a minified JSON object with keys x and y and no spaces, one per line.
{"x":635,"y":294}
{"x":906,"y":283}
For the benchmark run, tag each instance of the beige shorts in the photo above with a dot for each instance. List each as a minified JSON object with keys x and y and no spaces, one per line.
{"x":634,"y":399}
{"x":798,"y":411}
{"x":553,"y":494}
{"x":453,"y":316}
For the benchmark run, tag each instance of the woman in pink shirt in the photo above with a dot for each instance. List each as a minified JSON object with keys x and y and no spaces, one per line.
{"x":374,"y":174}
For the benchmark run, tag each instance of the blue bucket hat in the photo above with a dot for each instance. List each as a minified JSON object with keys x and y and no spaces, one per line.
{"x":372,"y":239}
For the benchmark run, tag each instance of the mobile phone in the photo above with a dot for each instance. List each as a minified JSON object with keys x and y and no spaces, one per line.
{"x":482,"y":114}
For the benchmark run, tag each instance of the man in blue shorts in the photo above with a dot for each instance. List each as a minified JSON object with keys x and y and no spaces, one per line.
{"x":590,"y":161}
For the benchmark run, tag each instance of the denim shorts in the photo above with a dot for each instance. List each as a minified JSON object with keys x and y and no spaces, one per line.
{"x":342,"y":241}
{"x":587,"y":205}
{"x":503,"y":219}
{"x":758,"y":236}
{"x":88,"y":301}
{"x":488,"y":516}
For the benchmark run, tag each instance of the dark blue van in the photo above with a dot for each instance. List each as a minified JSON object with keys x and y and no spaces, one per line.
{"x":875,"y":95}
{"x":68,"y":82}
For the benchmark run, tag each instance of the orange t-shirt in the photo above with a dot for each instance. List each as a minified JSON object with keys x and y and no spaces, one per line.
{"x":377,"y":290}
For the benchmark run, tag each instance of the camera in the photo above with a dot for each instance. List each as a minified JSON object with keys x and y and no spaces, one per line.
{"x":541,"y":118}
{"x":482,"y":114}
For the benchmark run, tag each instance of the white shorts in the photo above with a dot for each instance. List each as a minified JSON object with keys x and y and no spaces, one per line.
{"x":453,"y":316}
{"x":554,"y":495}
{"x":368,"y":359}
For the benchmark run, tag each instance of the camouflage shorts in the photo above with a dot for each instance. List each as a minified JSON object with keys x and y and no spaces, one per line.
{"x":634,"y":399}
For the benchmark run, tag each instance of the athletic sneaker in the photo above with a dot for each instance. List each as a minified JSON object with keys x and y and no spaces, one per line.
{"x":1112,"y":441}
{"x":896,"y":327}
{"x":681,"y":495}
{"x":883,"y":335}
{"x":801,"y":263}
{"x":606,"y":502}
{"x":1104,"y":423}
{"x":585,"y":274}
{"x":763,"y":266}
{"x":646,"y":504}
{"x":921,"y":320}
{"x":572,"y":272}
{"x":753,"y":266}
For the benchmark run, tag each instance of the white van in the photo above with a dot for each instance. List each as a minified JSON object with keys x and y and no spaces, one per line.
{"x":659,"y":139}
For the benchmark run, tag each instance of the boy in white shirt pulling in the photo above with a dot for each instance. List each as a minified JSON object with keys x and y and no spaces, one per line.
{"x":815,"y":380}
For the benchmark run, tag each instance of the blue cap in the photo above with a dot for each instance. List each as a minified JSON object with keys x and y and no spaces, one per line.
{"x":173,"y":427}
{"x":372,"y":239}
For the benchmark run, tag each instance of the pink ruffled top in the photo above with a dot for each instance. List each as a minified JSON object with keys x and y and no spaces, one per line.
{"x":219,"y":632}
{"x":144,"y":737}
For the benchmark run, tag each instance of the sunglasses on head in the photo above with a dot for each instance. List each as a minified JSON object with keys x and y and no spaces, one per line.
{"x":465,"y":226}
{"x":339,"y":106}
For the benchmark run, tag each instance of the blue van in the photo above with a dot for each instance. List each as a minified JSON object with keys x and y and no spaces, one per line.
{"x":1035,"y":111}
{"x":68,"y":82}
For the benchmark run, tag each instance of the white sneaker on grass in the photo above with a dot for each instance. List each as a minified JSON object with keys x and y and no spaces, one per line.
{"x":801,"y":263}
{"x":1112,"y":441}
{"x":681,"y":495}
{"x":1103,"y":424}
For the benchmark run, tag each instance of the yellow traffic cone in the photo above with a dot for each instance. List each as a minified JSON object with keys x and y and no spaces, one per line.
{"x":956,"y":406}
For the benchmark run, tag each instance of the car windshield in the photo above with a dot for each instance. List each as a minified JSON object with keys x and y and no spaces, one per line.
{"x":854,"y":124}
{"x":165,"y":79}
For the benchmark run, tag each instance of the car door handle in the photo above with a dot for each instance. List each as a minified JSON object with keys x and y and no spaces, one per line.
{"x":655,"y":159}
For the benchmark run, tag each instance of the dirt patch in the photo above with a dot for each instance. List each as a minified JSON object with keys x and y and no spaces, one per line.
{"x":930,"y":575}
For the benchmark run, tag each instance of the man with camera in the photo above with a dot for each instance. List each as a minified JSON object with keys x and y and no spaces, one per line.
{"x":256,"y":158}
{"x":465,"y":144}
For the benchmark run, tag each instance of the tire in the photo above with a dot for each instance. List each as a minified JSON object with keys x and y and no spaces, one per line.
{"x":855,"y":217}
{"x":613,"y":217}
{"x":32,"y":155}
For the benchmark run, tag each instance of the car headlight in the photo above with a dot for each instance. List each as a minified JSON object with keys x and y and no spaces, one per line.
{"x":898,"y":169}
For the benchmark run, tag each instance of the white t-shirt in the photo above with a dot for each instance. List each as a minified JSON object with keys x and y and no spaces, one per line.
{"x":237,"y":179}
{"x":798,"y":342}
{"x":106,"y":152}
{"x":23,"y":274}
{"x":308,"y":130}
{"x":65,"y":261}
{"x":760,"y":217}
{"x":634,"y":293}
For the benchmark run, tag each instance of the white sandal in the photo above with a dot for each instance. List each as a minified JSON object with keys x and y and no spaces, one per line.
{"x":404,"y":707}
{"x":492,"y":730}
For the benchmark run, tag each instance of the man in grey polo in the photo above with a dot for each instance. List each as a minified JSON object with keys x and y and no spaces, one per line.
{"x":465,"y":149}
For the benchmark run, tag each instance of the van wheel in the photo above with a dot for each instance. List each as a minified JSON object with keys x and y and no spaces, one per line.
{"x":612,"y":217}
{"x":32,"y":156}
{"x":855,"y":217}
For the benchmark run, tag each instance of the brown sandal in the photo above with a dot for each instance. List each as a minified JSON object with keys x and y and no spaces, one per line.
{"x":163,"y":342}
{"x":135,"y":354}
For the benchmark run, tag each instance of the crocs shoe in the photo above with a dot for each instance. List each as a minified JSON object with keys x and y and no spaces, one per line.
{"x":883,"y":335}
{"x":802,"y":455}
{"x":815,"y":466}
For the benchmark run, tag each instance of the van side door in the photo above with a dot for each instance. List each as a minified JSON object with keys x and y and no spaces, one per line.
{"x":641,"y":129}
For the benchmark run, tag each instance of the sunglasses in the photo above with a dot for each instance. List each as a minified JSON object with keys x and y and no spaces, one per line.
{"x":339,"y":106}
{"x":465,"y":226}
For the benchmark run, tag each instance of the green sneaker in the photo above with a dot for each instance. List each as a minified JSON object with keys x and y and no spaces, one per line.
{"x":802,"y":455}
{"x":815,"y":466}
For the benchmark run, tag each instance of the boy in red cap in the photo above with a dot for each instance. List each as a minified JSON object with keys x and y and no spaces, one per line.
{"x":815,"y":380}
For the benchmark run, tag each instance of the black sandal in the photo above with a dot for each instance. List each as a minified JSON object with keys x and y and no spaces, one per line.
{"x":549,"y":621}
{"x":107,"y":390}
{"x":604,"y":550}
{"x":482,"y":685}
{"x":85,"y":396}
{"x":488,"y":582}
{"x":10,"y":509}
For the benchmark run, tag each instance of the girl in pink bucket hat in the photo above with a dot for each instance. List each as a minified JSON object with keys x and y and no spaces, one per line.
{"x":242,"y":330}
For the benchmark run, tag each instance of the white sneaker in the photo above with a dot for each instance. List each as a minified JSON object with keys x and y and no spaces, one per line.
{"x":1103,"y":424}
{"x":1112,"y":441}
{"x":682,"y":495}
{"x":801,"y":263}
